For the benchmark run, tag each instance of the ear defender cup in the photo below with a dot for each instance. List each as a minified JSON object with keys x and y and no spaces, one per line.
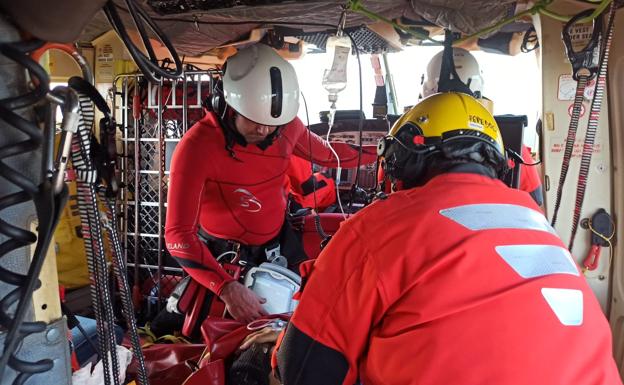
{"x":215,"y":102}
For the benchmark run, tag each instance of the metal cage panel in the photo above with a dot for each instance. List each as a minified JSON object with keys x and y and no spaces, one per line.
{"x":155,"y":116}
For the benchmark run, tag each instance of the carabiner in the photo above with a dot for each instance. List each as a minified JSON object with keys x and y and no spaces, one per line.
{"x":71,"y":108}
{"x":277,"y":324}
{"x":586,"y":61}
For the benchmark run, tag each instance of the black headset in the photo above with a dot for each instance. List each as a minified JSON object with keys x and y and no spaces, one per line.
{"x":215,"y":102}
{"x":402,"y":158}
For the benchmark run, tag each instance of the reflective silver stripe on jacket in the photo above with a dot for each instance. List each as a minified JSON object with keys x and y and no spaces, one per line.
{"x":567,"y":304}
{"x":498,"y":216}
{"x":531,"y":261}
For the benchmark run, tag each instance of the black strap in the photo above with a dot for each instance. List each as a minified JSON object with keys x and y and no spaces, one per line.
{"x":592,"y":126}
{"x":569,"y":146}
{"x":84,"y":87}
{"x":104,"y":151}
{"x":584,"y":68}
{"x":449,"y":79}
{"x":287,"y":239}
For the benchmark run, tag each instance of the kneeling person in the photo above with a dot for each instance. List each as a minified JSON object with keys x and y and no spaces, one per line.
{"x":455,"y":279}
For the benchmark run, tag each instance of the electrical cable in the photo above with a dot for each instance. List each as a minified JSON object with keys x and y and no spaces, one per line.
{"x":607,"y":239}
{"x":338,"y":173}
{"x":360,"y":123}
{"x":518,"y":158}
{"x":305,"y":104}
{"x":142,"y":32}
{"x":148,"y":65}
{"x":73,"y":322}
{"x":317,"y":217}
{"x":530,"y":41}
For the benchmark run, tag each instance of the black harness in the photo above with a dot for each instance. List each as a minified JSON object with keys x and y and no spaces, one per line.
{"x":287,"y":244}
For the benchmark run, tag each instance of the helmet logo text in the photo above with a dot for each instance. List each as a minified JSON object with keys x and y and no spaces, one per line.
{"x":479,"y":120}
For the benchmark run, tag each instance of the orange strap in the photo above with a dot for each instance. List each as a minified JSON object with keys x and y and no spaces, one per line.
{"x":67,"y":48}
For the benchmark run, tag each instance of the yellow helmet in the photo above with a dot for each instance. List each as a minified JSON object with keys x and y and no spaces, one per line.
{"x":433,"y":123}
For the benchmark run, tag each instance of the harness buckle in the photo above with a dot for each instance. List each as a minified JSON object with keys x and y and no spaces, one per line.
{"x":585,"y":62}
{"x":274,"y":255}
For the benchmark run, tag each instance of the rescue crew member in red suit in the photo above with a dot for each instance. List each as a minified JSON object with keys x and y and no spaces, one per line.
{"x":227,"y":175}
{"x":313,"y":190}
{"x":457,"y":279}
{"x":469,"y":73}
{"x":530,"y":180}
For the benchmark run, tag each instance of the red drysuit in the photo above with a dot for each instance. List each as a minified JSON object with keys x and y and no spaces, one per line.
{"x":461,"y":281}
{"x":316,"y":190}
{"x":238,"y":197}
{"x":530,"y":180}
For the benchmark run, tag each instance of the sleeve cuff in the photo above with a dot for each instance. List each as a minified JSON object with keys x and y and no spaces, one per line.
{"x":224,"y":278}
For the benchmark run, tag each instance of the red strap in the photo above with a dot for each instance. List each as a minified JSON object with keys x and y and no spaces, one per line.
{"x":194,"y":296}
{"x":136,"y":106}
{"x":70,"y":175}
{"x":192,"y":316}
{"x":75,"y":365}
{"x":591,"y":261}
{"x":212,"y":373}
{"x":188,"y":296}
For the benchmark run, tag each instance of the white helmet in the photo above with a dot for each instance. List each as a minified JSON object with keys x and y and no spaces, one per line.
{"x":467,"y":69}
{"x":261,"y":86}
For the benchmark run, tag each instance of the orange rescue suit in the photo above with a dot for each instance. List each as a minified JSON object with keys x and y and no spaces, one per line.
{"x":460,"y":281}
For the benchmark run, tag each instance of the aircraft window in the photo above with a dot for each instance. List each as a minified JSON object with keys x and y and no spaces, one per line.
{"x":511,"y":82}
{"x":310,"y":75}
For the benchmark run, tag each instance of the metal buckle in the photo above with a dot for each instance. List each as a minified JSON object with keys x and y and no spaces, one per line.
{"x":274,"y":255}
{"x":586,"y":61}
